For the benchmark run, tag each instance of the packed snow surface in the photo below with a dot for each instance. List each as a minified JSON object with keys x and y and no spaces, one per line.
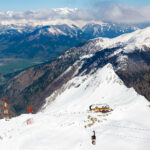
{"x":66,"y":122}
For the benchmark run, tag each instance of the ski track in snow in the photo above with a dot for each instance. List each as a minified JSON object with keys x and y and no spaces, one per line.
{"x":66,"y":123}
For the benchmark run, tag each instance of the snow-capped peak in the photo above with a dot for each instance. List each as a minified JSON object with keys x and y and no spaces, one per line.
{"x":56,"y":31}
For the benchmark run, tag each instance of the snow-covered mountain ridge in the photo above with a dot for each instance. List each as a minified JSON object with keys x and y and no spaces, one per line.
{"x":139,"y":39}
{"x":123,"y":44}
{"x":67,"y":120}
{"x":119,"y":51}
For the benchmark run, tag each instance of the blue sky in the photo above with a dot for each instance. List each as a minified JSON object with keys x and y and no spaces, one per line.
{"x":23,"y":5}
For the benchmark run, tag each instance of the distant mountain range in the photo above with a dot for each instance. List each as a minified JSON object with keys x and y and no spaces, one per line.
{"x":26,"y":41}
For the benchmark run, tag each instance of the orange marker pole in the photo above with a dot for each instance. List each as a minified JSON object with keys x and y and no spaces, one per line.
{"x":30,"y":109}
{"x":30,"y":120}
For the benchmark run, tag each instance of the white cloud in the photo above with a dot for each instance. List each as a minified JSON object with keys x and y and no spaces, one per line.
{"x":101,"y":12}
{"x":53,"y":16}
{"x":124,"y":13}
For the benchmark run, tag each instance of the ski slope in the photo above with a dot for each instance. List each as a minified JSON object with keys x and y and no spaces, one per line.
{"x":66,"y":122}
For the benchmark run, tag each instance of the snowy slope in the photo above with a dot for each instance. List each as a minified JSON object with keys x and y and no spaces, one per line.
{"x":67,"y":123}
{"x":128,"y":42}
{"x":123,"y":44}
